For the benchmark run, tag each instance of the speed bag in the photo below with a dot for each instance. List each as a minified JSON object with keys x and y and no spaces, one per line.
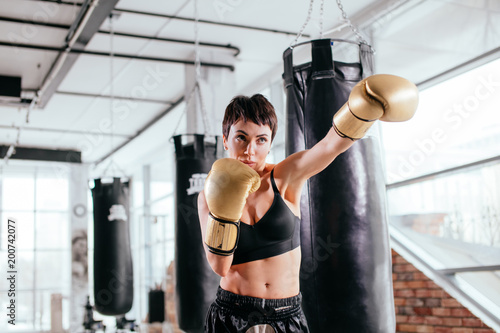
{"x":113,"y":273}
{"x":345,"y":274}
{"x":196,"y":283}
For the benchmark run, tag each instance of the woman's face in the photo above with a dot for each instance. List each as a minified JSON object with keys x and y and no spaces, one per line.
{"x":249,"y":143}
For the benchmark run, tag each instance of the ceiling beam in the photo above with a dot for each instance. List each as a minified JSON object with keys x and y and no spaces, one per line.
{"x":40,"y":154}
{"x":230,"y":25}
{"x":20,"y":103}
{"x":60,"y":130}
{"x":117,"y":55}
{"x":160,"y":39}
{"x":172,"y":40}
{"x":62,"y":2}
{"x":44,"y":24}
{"x":123,"y":98}
{"x":174,"y":17}
{"x":33,"y":47}
{"x":92,"y":15}
{"x":27,"y":101}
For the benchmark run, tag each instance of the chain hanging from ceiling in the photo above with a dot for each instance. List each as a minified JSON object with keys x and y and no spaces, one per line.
{"x":345,"y":17}
{"x":355,"y":30}
{"x":111,"y":167}
{"x":196,"y":91}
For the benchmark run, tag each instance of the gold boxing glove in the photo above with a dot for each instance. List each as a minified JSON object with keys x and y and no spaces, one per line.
{"x":382,"y":96}
{"x":227,"y":187}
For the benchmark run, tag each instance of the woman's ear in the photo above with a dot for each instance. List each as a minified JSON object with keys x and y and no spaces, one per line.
{"x":224,"y":142}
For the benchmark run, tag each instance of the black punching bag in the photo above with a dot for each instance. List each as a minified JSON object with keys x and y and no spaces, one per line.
{"x":156,"y":306}
{"x":196,"y":283}
{"x":113,"y":274}
{"x":345,"y":276}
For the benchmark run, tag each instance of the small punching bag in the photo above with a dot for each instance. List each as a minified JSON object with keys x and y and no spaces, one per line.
{"x":113,"y":275}
{"x":196,"y":283}
{"x":345,"y":275}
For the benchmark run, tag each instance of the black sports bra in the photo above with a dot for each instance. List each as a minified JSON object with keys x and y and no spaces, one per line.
{"x":277,"y":232}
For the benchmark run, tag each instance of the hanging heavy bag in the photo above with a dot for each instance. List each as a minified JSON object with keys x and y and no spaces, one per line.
{"x":156,"y":305}
{"x":345,"y":276}
{"x":196,"y":283}
{"x":113,"y":273}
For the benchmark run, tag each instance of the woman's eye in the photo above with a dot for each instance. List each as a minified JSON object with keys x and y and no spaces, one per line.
{"x":262,"y":140}
{"x":240,"y":137}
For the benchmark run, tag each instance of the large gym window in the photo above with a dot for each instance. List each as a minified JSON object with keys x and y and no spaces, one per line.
{"x":456,"y":123}
{"x":37,"y":198}
{"x":443,"y":172}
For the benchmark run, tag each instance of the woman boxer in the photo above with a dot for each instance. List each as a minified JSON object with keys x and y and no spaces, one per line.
{"x":250,"y":210}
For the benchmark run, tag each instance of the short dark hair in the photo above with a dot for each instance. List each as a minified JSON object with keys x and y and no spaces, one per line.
{"x":256,"y":109}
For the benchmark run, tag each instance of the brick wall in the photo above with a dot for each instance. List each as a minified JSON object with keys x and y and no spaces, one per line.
{"x":170,"y":310}
{"x":422,"y":306}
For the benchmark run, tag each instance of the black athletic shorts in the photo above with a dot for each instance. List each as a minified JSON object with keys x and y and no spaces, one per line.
{"x":234,"y":313}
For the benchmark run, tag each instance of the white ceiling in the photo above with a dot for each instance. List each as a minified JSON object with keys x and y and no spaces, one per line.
{"x":414,"y":39}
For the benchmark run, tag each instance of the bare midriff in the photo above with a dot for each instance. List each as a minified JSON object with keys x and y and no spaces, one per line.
{"x":270,"y":278}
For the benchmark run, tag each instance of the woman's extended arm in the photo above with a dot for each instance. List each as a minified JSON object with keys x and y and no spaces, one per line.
{"x":298,"y":167}
{"x":382,"y":96}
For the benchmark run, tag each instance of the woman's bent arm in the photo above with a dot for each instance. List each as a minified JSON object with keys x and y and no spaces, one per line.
{"x":220,"y":264}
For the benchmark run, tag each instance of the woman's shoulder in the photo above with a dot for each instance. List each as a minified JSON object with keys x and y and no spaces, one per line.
{"x":269,"y":167}
{"x":288,"y":167}
{"x":285,"y":174}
